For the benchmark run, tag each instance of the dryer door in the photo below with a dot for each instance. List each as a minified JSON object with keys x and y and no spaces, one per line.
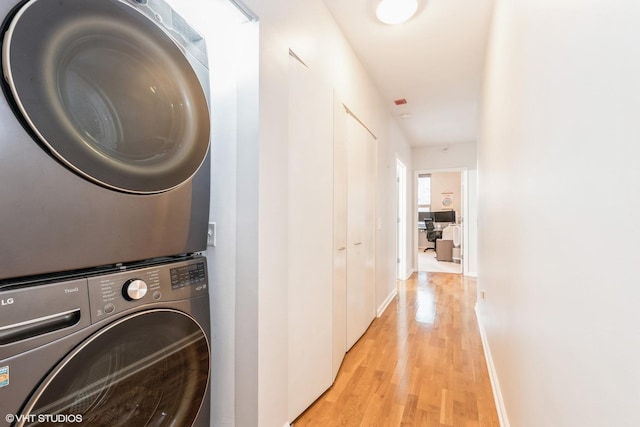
{"x":149,"y":369}
{"x":108,"y":92}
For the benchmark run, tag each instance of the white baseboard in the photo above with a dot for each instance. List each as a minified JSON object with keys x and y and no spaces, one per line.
{"x":495,"y":384}
{"x":407,"y":274}
{"x":387,"y":301}
{"x":472,"y":274}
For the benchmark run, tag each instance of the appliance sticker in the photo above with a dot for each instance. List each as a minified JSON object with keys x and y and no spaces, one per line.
{"x":4,"y":376}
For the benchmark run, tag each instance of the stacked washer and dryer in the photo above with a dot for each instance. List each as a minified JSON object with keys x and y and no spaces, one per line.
{"x":104,"y":195}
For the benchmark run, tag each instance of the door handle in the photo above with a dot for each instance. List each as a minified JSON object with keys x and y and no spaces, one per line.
{"x":341,"y":248}
{"x":357,"y":244}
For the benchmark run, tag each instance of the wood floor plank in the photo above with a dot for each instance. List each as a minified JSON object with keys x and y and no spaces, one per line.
{"x":420,"y":364}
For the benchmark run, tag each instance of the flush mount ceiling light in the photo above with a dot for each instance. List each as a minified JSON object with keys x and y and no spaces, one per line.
{"x":396,"y":11}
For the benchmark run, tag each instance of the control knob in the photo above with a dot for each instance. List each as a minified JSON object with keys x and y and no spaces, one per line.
{"x":134,"y":289}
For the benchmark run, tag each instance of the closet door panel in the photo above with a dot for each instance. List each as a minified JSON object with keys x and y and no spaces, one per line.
{"x":369,"y":150}
{"x":310,"y":255}
{"x":339,"y":234}
{"x":360,"y":238}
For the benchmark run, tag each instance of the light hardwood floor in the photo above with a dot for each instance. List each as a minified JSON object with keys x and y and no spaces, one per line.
{"x":420,"y":364}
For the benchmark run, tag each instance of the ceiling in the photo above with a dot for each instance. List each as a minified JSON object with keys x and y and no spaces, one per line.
{"x":434,"y":61}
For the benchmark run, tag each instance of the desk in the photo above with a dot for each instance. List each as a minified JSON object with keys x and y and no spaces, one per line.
{"x":444,"y":250}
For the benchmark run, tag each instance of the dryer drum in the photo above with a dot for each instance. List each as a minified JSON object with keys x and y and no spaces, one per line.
{"x":150,"y":369}
{"x":108,"y":92}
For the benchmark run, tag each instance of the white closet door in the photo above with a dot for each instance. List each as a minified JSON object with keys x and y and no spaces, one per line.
{"x":339,"y":234}
{"x":360,"y":230}
{"x":310,"y":255}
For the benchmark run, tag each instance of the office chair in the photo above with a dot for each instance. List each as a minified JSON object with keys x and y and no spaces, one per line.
{"x":432,"y":235}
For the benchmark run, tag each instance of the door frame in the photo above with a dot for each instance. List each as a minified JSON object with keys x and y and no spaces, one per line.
{"x":464,"y":184}
{"x":401,"y":220}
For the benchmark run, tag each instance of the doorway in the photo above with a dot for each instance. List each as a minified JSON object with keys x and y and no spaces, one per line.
{"x":401,"y":221}
{"x":445,"y":190}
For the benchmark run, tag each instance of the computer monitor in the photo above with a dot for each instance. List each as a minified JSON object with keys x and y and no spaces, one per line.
{"x":444,"y":216}
{"x":425,"y":216}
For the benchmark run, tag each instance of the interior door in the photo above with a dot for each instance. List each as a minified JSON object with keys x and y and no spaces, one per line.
{"x":360,"y":230}
{"x":340,"y":245}
{"x":310,"y":255}
{"x":108,"y":92}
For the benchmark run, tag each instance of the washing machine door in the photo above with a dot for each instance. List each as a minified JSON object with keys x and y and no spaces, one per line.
{"x":108,"y":91}
{"x":149,"y":369}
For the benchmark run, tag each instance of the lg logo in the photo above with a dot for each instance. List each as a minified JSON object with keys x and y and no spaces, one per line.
{"x":8,"y":301}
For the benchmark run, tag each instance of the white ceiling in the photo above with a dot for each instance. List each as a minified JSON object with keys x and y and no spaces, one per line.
{"x":435,"y":61}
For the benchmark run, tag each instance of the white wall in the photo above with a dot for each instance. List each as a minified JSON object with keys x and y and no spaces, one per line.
{"x":391,"y":144}
{"x":446,"y":182}
{"x":471,"y":223}
{"x":231,"y":48}
{"x":403,"y":151}
{"x":450,"y":156}
{"x":560,"y":134}
{"x":309,"y":30}
{"x":246,"y":315}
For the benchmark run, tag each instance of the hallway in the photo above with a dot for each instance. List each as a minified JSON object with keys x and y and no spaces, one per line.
{"x":420,"y":364}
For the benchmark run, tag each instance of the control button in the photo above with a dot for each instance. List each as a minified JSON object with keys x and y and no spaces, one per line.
{"x":134,"y":289}
{"x":157,"y":295}
{"x":109,"y":308}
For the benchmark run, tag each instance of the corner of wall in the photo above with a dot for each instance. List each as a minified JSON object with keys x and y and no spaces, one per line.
{"x":407,"y":274}
{"x":387,"y":301}
{"x":495,"y":384}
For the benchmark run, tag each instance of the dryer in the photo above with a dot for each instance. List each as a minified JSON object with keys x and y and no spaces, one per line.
{"x":104,"y":135}
{"x":128,"y":347}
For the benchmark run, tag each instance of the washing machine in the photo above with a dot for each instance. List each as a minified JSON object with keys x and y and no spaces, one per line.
{"x":124,"y":348}
{"x":104,"y":135}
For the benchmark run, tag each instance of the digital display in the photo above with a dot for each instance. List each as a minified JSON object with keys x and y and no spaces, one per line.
{"x":188,"y":275}
{"x":444,"y":216}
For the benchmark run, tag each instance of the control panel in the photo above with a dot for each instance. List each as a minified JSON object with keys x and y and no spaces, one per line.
{"x":114,"y":293}
{"x":188,"y":275}
{"x":134,"y":289}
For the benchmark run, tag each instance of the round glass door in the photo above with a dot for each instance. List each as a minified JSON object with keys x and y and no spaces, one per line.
{"x":108,"y":93}
{"x":149,"y":369}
